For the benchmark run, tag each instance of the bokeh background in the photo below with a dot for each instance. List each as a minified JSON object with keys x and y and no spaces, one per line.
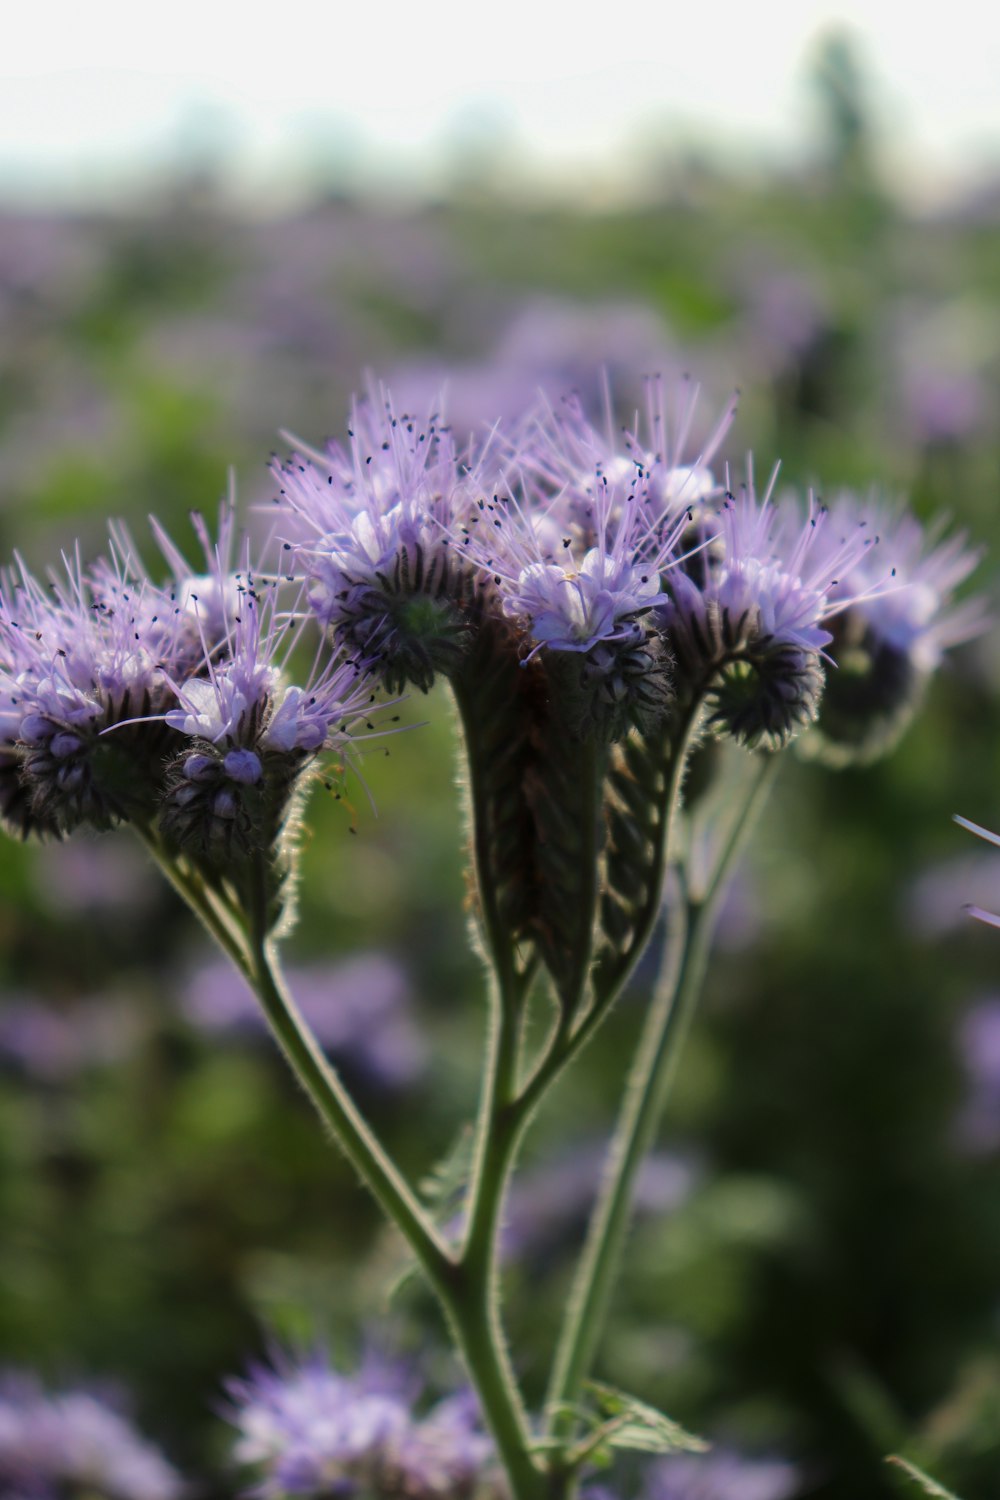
{"x":814,"y":1271}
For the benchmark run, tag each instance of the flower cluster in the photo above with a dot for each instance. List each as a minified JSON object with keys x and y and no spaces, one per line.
{"x":166,"y":706}
{"x":637,"y":580}
{"x":306,"y":1429}
{"x":75,"y":1442}
{"x":583,"y":588}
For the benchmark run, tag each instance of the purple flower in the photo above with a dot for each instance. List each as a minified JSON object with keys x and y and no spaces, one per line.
{"x":358,"y":1010}
{"x":74,"y":1441}
{"x":308,"y":1430}
{"x":251,"y":735}
{"x":551,"y":344}
{"x":776,"y":577}
{"x":890,"y":634}
{"x":721,"y":1475}
{"x":748,"y":620}
{"x":578,"y":548}
{"x":89,"y":653}
{"x":371,"y":528}
{"x":915,"y":615}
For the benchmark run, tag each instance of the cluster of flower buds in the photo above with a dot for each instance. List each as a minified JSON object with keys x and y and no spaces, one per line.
{"x":635,"y":579}
{"x":165,"y":706}
{"x":591,"y":595}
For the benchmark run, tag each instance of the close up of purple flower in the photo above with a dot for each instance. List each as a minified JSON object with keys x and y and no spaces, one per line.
{"x":78,"y":658}
{"x":370,"y":529}
{"x":751,"y":617}
{"x":578,"y":548}
{"x":251,"y":734}
{"x":74,"y":1443}
{"x":305,"y":1429}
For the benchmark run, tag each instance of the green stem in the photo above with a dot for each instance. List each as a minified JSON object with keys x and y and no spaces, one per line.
{"x":340,"y":1113}
{"x":649,"y":1083}
{"x":223,"y":922}
{"x":477,"y":1314}
{"x":463,"y":1301}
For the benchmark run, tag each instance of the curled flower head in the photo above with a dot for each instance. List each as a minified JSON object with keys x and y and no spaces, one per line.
{"x":247,"y":734}
{"x":371,"y":526}
{"x":308,"y":1430}
{"x":93,"y":651}
{"x":577,"y":552}
{"x":889,"y":640}
{"x":749,"y":622}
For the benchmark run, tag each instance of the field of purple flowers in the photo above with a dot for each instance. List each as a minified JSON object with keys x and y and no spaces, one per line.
{"x":811,"y":1281}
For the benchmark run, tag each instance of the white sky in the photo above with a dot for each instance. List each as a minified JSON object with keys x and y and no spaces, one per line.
{"x":88,"y":91}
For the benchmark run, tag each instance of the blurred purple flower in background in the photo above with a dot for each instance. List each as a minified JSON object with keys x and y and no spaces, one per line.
{"x":86,"y":874}
{"x":549,"y":1204}
{"x":721,"y":1475}
{"x":53,"y":1043}
{"x":977,"y":1126}
{"x":357,"y":1009}
{"x":548,"y":344}
{"x":74,"y":1443}
{"x":784,"y":311}
{"x":308,"y":1430}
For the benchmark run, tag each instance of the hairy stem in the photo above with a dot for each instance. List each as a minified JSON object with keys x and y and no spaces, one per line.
{"x":649,"y":1082}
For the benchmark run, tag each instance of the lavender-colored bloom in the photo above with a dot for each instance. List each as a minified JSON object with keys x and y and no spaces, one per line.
{"x":915,"y":614}
{"x":308,"y":1430}
{"x":444,"y":1456}
{"x":891,"y":634}
{"x":250,"y":734}
{"x":776,"y":577}
{"x":721,"y":1475}
{"x":371,"y":528}
{"x":750,"y":618}
{"x":75,"y":1442}
{"x":577,"y":551}
{"x":89,"y":653}
{"x":358,"y":1009}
